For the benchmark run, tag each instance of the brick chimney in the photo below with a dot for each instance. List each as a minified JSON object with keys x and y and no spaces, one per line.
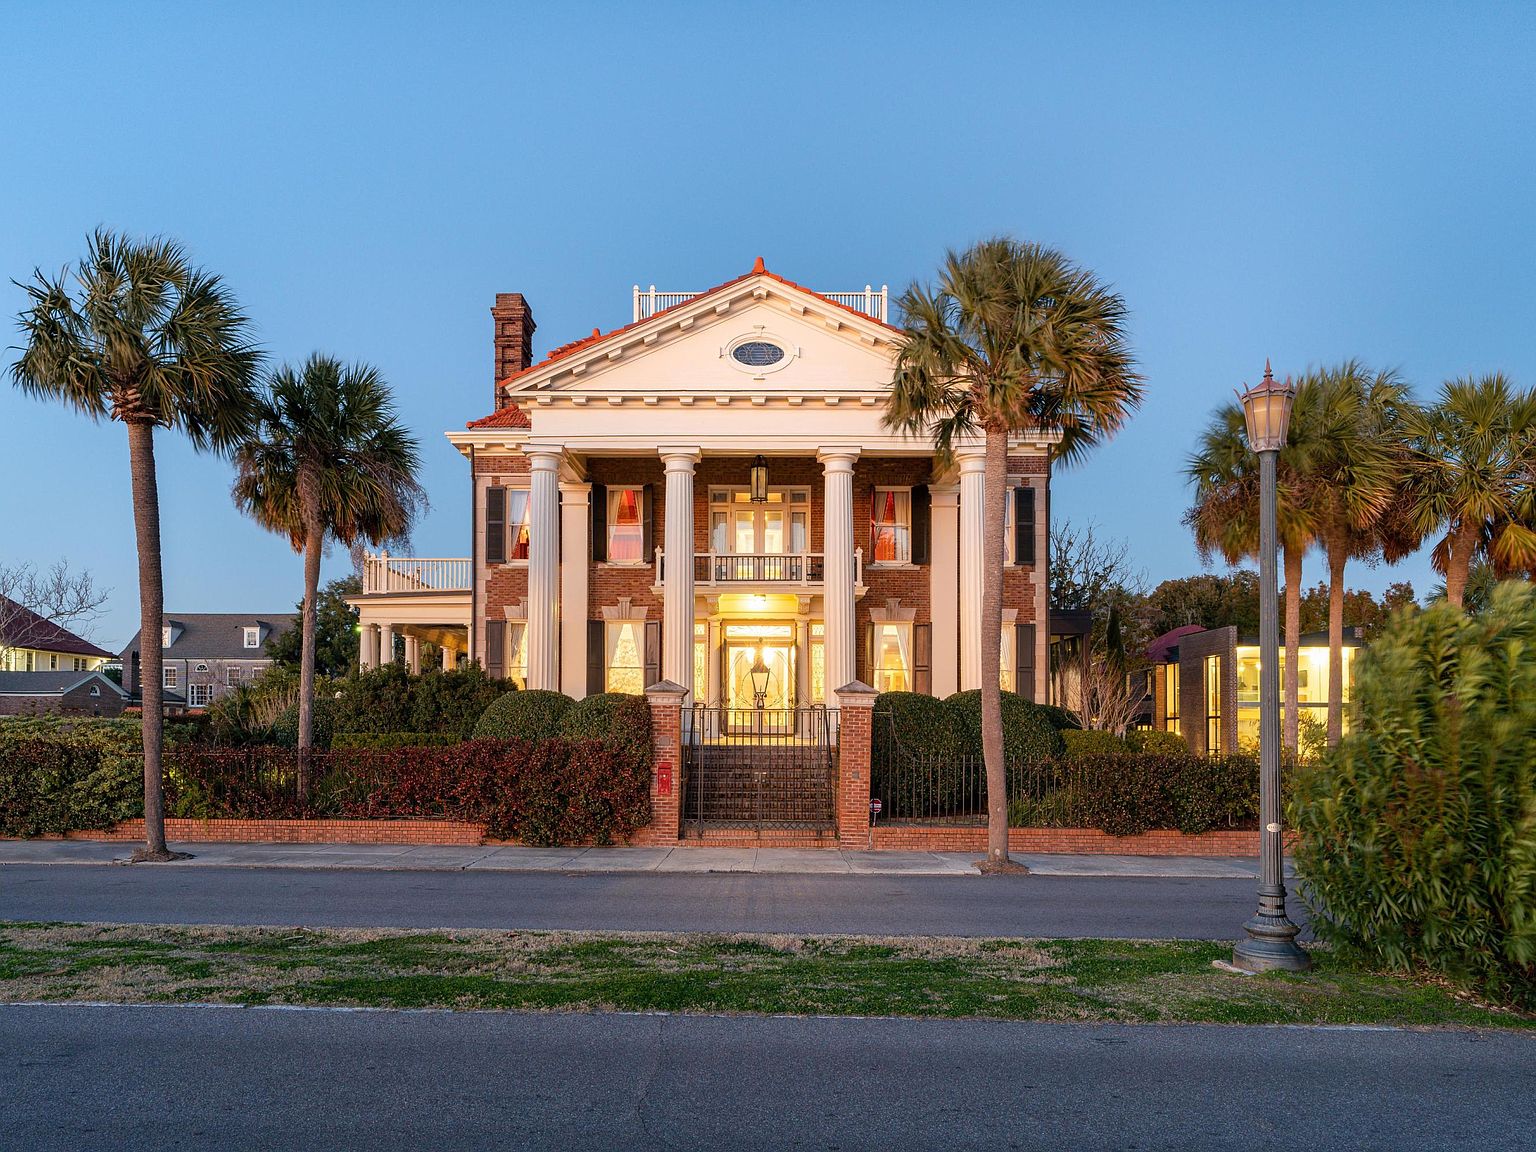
{"x":514,"y":337}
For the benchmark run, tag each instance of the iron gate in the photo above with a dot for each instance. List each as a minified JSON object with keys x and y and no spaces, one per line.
{"x":760,"y":768}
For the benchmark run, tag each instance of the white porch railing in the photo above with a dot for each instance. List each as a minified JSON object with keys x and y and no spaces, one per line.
{"x":802,"y":568}
{"x":384,"y":573}
{"x":872,"y":301}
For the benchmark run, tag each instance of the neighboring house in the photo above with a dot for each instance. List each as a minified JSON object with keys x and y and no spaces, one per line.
{"x":207,"y":654}
{"x":1205,"y":684}
{"x":31,"y":643}
{"x":68,"y":693}
{"x":710,"y":491}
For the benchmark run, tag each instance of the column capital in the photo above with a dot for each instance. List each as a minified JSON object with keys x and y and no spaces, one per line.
{"x":679,"y":458}
{"x":972,"y":458}
{"x":944,"y":494}
{"x":838,"y":459}
{"x":544,"y":457}
{"x":574,"y":492}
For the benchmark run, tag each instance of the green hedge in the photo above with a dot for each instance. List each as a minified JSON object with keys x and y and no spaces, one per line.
{"x":1079,"y":742}
{"x":57,"y":778}
{"x":1028,"y":733}
{"x":380,"y":740}
{"x":1156,"y":740}
{"x":617,"y":719}
{"x":532,"y":715}
{"x":1418,"y":832}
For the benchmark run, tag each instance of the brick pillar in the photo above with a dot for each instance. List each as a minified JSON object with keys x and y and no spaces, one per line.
{"x":856,"y":703}
{"x":666,"y":702}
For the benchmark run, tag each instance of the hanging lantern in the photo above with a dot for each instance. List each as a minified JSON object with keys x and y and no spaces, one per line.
{"x":760,"y":481}
{"x":759,"y":675}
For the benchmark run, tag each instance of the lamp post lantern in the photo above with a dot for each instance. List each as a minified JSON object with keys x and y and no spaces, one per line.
{"x":1271,"y":943}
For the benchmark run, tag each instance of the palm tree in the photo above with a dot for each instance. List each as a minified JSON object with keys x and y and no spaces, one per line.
{"x":1013,"y":336}
{"x":327,"y":461}
{"x":1225,"y":520}
{"x":142,"y":337}
{"x":1353,"y":421}
{"x":1472,"y":478}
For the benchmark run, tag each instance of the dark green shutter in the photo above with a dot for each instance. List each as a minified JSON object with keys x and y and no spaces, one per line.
{"x":648,"y":523}
{"x":922,"y":524}
{"x":599,"y":523}
{"x":596,"y":639}
{"x":495,"y":526}
{"x":496,"y":648}
{"x":922,"y":659}
{"x":653,"y":653}
{"x":1024,"y":660}
{"x":1024,"y":525}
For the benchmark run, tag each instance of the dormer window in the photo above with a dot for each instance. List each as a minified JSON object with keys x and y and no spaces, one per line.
{"x":165,"y":637}
{"x":253,"y":637}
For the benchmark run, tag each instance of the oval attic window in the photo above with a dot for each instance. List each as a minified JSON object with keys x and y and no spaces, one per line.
{"x":757,"y":353}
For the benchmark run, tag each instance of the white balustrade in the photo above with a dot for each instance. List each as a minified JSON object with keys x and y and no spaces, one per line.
{"x":383,"y":573}
{"x":802,"y":568}
{"x":872,"y":302}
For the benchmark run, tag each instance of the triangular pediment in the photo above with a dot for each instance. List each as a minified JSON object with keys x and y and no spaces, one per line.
{"x":759,"y":334}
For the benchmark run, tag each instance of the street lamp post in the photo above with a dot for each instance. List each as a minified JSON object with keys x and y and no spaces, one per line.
{"x":1271,"y":943}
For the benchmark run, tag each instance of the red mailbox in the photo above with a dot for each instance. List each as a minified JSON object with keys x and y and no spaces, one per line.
{"x":664,"y":778}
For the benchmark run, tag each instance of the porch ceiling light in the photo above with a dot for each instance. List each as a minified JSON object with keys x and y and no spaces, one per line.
{"x":1267,"y":411}
{"x":760,"y":481}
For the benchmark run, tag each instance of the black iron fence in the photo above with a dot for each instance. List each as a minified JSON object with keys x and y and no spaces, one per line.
{"x":953,"y":790}
{"x":760,"y":768}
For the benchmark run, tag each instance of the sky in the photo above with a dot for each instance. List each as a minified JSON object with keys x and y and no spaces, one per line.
{"x":1300,"y":182}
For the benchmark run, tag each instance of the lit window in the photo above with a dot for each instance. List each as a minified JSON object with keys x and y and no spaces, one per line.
{"x":1171,"y":698}
{"x":818,"y":663}
{"x":169,"y":678}
{"x":253,"y":637}
{"x":1247,"y":675}
{"x":519,"y":519}
{"x":626,"y":530}
{"x":1213,"y":741}
{"x":625,"y":663}
{"x":891,"y":526}
{"x":893,"y":658}
{"x":1007,"y":677}
{"x":700,"y":661}
{"x":517,"y":654}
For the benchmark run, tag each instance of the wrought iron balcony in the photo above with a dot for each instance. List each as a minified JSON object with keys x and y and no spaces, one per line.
{"x":785,"y":568}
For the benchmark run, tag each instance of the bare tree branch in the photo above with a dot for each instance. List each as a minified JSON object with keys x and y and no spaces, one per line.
{"x":30,"y":600}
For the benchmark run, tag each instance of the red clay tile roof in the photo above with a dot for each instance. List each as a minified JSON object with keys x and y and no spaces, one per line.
{"x":509,"y":417}
{"x":597,"y":334}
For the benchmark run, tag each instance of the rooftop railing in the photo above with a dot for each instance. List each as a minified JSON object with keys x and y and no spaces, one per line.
{"x":872,"y":302}
{"x":383,"y":573}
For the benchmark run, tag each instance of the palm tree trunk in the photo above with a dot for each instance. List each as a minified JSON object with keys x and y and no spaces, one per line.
{"x":995,"y":482}
{"x":313,"y":544}
{"x":146,"y":528}
{"x":1458,"y":565}
{"x":1338,"y":555}
{"x":1291,"y":739}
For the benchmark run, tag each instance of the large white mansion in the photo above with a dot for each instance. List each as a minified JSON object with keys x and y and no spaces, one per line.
{"x":711,"y":490}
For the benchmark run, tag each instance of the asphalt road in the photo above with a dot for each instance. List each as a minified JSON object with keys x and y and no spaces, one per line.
{"x":79,"y":1077}
{"x":708,"y":902}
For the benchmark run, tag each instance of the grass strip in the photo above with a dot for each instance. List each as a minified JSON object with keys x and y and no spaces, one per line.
{"x":1111,"y":981}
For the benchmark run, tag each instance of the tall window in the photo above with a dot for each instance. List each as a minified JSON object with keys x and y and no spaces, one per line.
{"x":893,"y":658}
{"x":1213,"y":741}
{"x":626,"y":530}
{"x":625,"y":662}
{"x":231,"y":675}
{"x":517,"y":653}
{"x":1008,"y":676}
{"x":891,"y":526}
{"x":199,"y":695}
{"x":818,"y":663}
{"x":780,"y":525}
{"x":519,"y":517}
{"x":169,"y":679}
{"x":700,"y":662}
{"x":1171,"y":698}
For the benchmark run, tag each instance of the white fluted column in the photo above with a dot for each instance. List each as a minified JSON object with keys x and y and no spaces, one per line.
{"x":973,"y":507}
{"x":544,"y":569}
{"x":386,"y":643}
{"x":944,"y":587}
{"x":368,"y":647}
{"x":449,"y":661}
{"x":575,"y":529}
{"x":677,"y":567}
{"x":412,"y":654}
{"x":837,"y":565}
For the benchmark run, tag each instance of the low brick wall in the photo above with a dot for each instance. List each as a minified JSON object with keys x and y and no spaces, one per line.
{"x":1086,"y":841}
{"x":300,"y":832}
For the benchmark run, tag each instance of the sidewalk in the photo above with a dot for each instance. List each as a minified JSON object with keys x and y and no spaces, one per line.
{"x":400,"y":857}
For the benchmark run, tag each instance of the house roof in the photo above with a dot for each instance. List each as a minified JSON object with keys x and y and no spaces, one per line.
{"x":49,"y":683}
{"x":600,"y":337}
{"x":1162,"y":650}
{"x":26,"y":629}
{"x":219,"y":635}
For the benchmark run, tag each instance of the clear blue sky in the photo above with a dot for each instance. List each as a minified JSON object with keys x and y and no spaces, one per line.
{"x":1298,"y":183}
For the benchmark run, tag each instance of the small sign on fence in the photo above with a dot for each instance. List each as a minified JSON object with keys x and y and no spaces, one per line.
{"x":874,"y":807}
